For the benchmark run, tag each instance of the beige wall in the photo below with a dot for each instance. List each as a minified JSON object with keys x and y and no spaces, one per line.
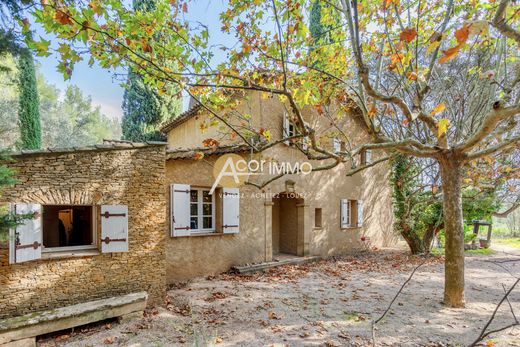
{"x":130,"y":177}
{"x":262,"y":219}
{"x":203,"y":255}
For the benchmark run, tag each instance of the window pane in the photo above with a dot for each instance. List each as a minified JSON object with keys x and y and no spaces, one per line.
{"x":205,"y":196}
{"x":194,"y":223}
{"x":207,"y":222}
{"x":206,"y":209}
{"x":194,"y":211}
{"x":193,"y":195}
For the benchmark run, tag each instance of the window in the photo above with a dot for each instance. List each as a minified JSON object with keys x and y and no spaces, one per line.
{"x":202,"y":210}
{"x":366,"y":157}
{"x":67,"y":227}
{"x":317,"y":218}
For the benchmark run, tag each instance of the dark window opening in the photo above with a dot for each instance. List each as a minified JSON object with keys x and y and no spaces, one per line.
{"x":317,"y":218}
{"x":67,"y":225}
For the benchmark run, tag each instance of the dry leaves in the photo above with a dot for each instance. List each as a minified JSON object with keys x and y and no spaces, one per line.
{"x":408,"y":35}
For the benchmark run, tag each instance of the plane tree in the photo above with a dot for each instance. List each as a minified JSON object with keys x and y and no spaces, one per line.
{"x":429,"y":79}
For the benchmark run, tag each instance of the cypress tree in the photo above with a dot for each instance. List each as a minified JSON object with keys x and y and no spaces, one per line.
{"x":29,"y":109}
{"x":144,"y":110}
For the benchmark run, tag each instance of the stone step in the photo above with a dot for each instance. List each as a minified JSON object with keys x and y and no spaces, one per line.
{"x":29,"y":326}
{"x":271,"y":264}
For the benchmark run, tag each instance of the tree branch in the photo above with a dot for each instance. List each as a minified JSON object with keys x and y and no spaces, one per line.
{"x":499,"y":22}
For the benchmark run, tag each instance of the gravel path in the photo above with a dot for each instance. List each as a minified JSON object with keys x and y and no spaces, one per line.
{"x":328,"y":303}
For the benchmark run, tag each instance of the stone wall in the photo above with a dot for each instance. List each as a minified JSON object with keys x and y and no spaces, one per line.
{"x":132,"y":177}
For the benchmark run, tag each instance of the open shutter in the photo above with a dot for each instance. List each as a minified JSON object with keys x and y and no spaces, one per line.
{"x":114,"y":228}
{"x":180,"y":209}
{"x":368,"y":157}
{"x":25,"y":241}
{"x":231,"y":210}
{"x":345,"y":213}
{"x":286,"y":127}
{"x":336,"y":143}
{"x":360,"y":213}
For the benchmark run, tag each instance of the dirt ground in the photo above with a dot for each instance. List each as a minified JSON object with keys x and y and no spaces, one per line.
{"x":329,"y":303}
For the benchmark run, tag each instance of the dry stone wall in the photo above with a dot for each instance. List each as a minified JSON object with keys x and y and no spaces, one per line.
{"x":133,"y":177}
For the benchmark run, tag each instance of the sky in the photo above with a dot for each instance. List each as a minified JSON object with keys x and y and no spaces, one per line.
{"x":101,"y":85}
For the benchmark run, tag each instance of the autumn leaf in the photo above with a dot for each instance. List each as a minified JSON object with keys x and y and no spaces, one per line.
{"x":490,"y":343}
{"x":266,"y":133}
{"x":372,"y":110}
{"x":185,"y":8}
{"x":62,"y":17}
{"x":442,"y":127}
{"x":449,"y":54}
{"x":198,"y":155}
{"x":209,"y":142}
{"x":437,"y":109}
{"x":412,"y":76}
{"x":462,"y":34}
{"x":408,"y":35}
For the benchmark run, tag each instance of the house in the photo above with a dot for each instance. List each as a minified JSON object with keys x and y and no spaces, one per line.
{"x":321,"y":213}
{"x":97,"y":227}
{"x":121,"y":217}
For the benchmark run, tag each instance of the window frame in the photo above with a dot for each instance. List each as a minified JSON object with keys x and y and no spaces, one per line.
{"x":200,"y":210}
{"x":93,"y":227}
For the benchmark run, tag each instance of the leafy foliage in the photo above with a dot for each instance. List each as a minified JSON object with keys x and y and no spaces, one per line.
{"x":145,"y":108}
{"x":29,"y":106}
{"x":68,"y":118}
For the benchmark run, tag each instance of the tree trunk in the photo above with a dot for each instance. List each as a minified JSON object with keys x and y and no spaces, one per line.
{"x":412,"y":239}
{"x":451,"y":174}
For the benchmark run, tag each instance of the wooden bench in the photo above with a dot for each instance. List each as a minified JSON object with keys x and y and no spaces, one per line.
{"x":22,"y":330}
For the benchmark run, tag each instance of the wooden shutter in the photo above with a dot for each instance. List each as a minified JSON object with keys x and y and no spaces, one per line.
{"x":345,"y":213}
{"x":25,"y":241}
{"x":336,"y":143}
{"x":114,"y":228}
{"x":360,"y":213}
{"x":286,"y":127}
{"x":231,"y":210}
{"x":368,"y":157}
{"x":180,"y":210}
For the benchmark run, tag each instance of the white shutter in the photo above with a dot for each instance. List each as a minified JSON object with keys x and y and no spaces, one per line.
{"x":336,"y":143}
{"x":345,"y":213}
{"x":114,"y":228}
{"x":180,"y":209}
{"x":368,"y":157}
{"x":360,"y":213}
{"x":231,"y":210}
{"x":25,"y":241}
{"x":286,"y":127}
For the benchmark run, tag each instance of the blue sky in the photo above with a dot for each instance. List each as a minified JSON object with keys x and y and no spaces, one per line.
{"x":102,"y":86}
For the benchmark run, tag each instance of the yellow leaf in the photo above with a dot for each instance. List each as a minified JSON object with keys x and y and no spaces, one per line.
{"x":439,"y":108}
{"x":442,"y":127}
{"x":490,"y":343}
{"x":477,"y":27}
{"x":432,"y":46}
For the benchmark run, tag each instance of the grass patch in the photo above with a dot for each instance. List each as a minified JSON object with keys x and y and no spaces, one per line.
{"x":509,"y":241}
{"x":440,"y":251}
{"x":480,"y":251}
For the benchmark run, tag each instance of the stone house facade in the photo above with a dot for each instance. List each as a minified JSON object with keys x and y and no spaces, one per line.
{"x":98,"y":228}
{"x":124,"y":217}
{"x":322,"y":213}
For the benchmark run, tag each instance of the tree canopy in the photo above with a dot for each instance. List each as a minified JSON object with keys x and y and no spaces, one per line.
{"x":436,"y":79}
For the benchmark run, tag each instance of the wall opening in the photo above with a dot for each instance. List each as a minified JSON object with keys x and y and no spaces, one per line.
{"x":317,"y":218}
{"x":67,"y":226}
{"x":287,"y":238}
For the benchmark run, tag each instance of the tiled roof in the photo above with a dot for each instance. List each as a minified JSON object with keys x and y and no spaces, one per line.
{"x":191,"y":112}
{"x":192,"y":152}
{"x":106,"y":146}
